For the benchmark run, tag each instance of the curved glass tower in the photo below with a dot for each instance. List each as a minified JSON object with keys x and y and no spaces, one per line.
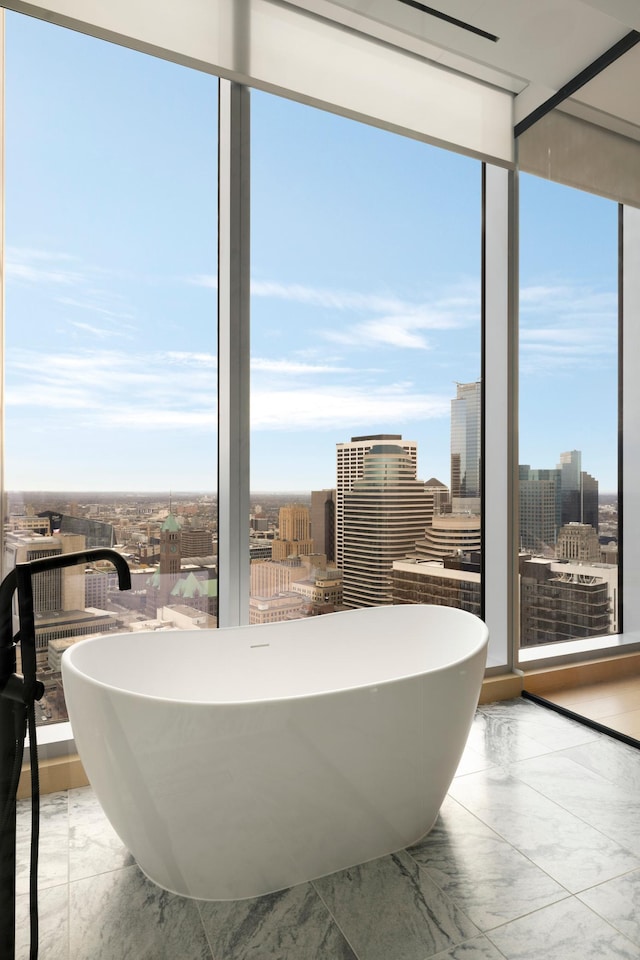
{"x":385,"y":512}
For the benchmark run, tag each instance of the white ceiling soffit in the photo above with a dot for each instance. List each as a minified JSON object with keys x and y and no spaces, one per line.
{"x":541,"y":46}
{"x":539,"y":41}
{"x":626,"y":11}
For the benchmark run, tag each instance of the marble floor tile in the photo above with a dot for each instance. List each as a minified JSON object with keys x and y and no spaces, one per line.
{"x":564,"y":931}
{"x":573,"y":853}
{"x":482,"y":873}
{"x":546,"y":728}
{"x":618,"y":901}
{"x":612,"y":809}
{"x":500,"y":740}
{"x":477,"y":949}
{"x":472,"y":761}
{"x":123,"y":916}
{"x":520,"y":729}
{"x":94,"y":846}
{"x":390,"y":908}
{"x":292,"y":924}
{"x":53,"y":855}
{"x":53,"y":938}
{"x":615,"y":761}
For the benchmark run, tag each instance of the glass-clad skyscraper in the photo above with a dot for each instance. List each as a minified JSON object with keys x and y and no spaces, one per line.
{"x":466,"y":411}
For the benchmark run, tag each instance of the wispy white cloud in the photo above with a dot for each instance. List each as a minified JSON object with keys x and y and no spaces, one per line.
{"x":102,"y":333}
{"x":189,"y":358}
{"x":107,"y":388}
{"x":104,"y":389}
{"x":54,"y":272}
{"x":584,"y":303}
{"x":203,"y":280}
{"x":564,"y":328}
{"x":36,"y":273}
{"x":35,"y":253}
{"x":316,"y":296}
{"x":436,"y":314}
{"x":159,"y":418}
{"x":401,"y":330}
{"x":542,"y":294}
{"x":561,"y":335}
{"x":293,"y":367}
{"x":348,"y":407}
{"x":578,"y":342}
{"x":388,"y":321}
{"x":323,"y":297}
{"x":95,"y":306}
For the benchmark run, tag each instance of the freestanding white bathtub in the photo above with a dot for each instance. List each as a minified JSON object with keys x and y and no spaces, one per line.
{"x":239,"y":761}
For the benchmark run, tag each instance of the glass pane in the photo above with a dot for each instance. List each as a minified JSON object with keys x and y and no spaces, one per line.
{"x":568,"y":414}
{"x":366,"y":336}
{"x":110,"y":440}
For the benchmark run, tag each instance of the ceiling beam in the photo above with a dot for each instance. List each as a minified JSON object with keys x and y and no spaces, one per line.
{"x":598,"y":65}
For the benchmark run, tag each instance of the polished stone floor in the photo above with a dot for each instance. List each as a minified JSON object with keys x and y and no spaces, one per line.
{"x":535,"y":856}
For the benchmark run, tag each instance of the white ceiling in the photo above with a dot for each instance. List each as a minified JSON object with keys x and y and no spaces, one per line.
{"x":542,"y":44}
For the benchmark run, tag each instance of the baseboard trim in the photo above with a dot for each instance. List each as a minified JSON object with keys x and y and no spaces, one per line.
{"x":58,"y":773}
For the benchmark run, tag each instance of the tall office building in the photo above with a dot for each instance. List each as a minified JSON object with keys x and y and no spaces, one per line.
{"x":438,"y":496}
{"x":350,"y":464}
{"x":590,"y":509}
{"x":323,"y":522}
{"x":570,"y":468}
{"x":579,"y":491}
{"x":385,"y":512}
{"x":53,"y":590}
{"x":540,"y":510}
{"x":196,"y":542}
{"x":466,"y":426}
{"x":270,"y":578}
{"x":550,"y":498}
{"x":578,"y":541}
{"x":294,"y":533}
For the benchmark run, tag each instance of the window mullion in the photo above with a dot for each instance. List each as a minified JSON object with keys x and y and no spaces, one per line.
{"x":233,"y":354}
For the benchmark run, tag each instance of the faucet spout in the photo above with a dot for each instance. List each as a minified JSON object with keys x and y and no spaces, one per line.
{"x":85,"y":556}
{"x":22,"y":570}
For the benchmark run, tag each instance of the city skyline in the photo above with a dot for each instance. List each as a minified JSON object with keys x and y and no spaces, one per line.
{"x":365,"y":284}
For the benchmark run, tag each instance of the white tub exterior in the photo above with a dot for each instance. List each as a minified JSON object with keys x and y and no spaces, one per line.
{"x":240,"y":761}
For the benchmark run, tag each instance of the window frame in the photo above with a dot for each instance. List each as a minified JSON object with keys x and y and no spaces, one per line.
{"x":499,"y":378}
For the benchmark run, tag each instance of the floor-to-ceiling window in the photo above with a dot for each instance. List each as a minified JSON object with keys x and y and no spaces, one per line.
{"x":110,"y":414}
{"x":366,"y":385}
{"x":365,"y":367}
{"x":568,"y":432}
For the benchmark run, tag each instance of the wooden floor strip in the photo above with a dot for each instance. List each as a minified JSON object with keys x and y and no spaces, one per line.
{"x":617,"y":731}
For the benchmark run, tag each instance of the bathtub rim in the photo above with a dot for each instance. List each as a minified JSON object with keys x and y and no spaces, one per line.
{"x":479,"y":645}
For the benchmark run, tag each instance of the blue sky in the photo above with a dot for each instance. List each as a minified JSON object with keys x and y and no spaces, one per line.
{"x":365,"y":284}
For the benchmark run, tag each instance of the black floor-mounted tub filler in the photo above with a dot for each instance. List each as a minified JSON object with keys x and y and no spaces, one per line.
{"x":18,"y":695}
